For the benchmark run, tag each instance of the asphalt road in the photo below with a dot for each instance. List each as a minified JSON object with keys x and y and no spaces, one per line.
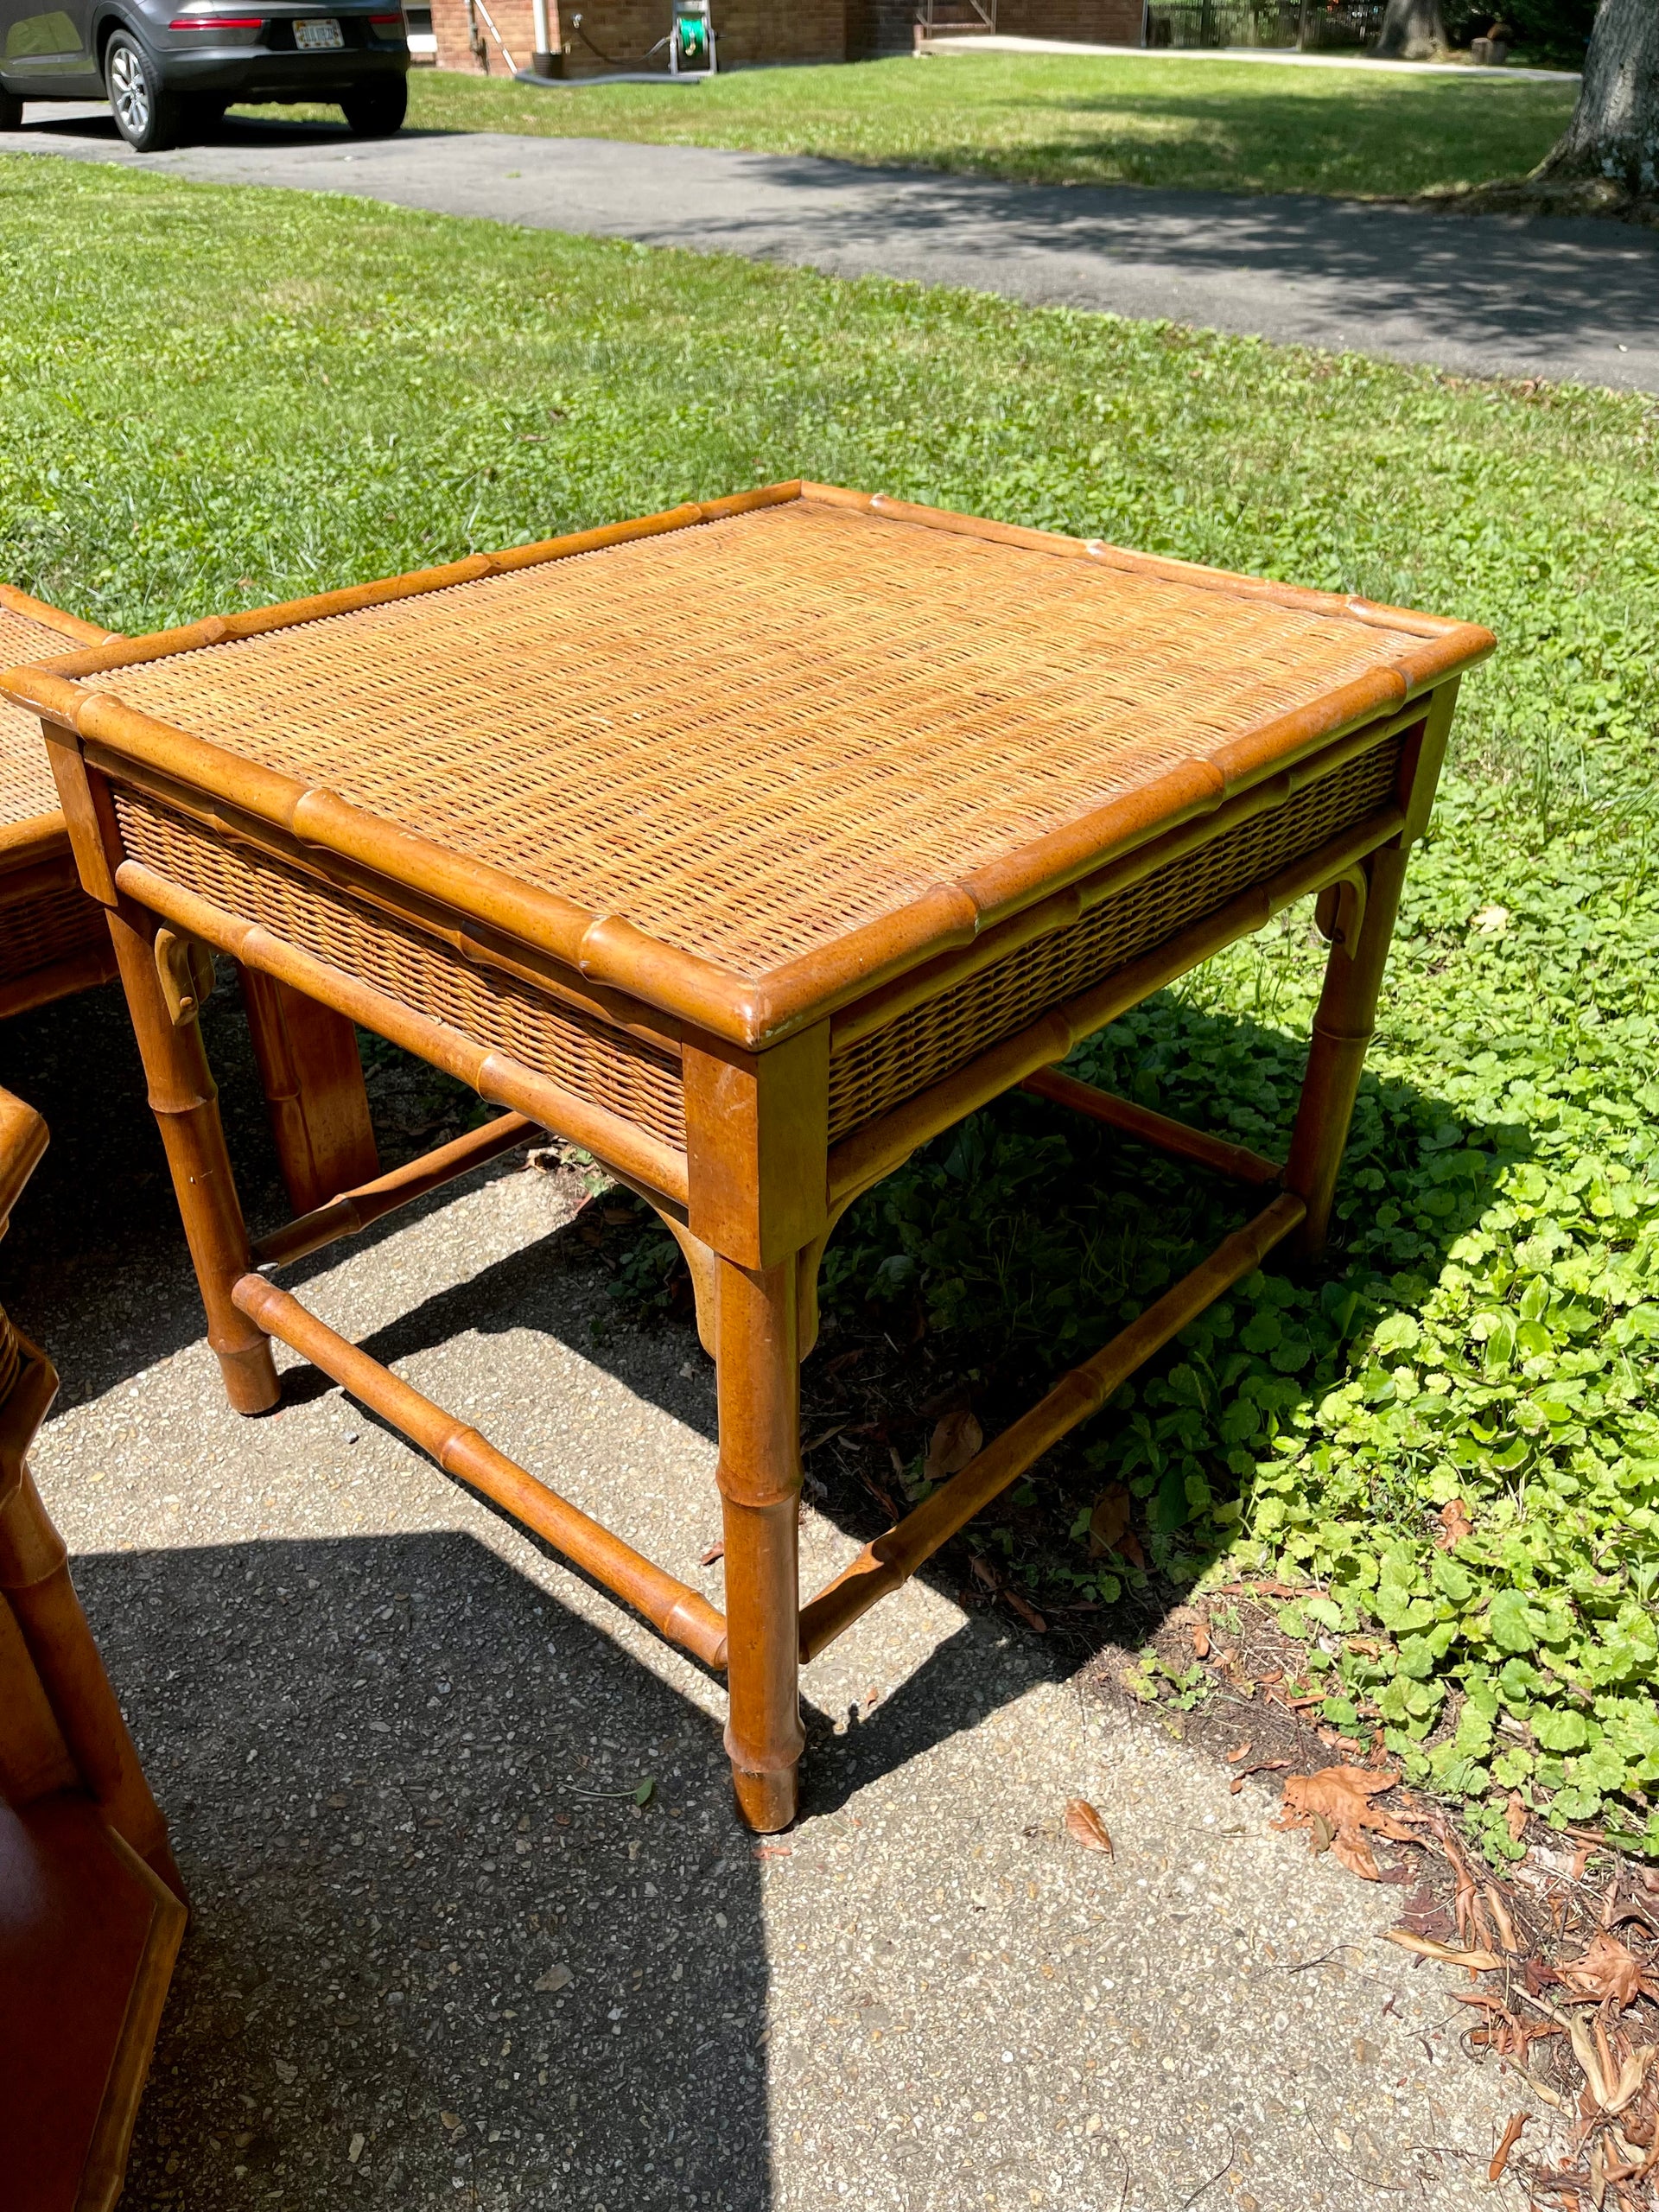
{"x":1483,"y":295}
{"x":439,"y":1957}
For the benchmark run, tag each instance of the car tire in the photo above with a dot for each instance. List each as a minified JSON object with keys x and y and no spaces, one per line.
{"x":11,"y":112}
{"x":377,"y":110}
{"x":148,"y":118}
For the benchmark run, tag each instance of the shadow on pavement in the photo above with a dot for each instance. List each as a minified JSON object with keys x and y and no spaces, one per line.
{"x":428,"y":1920}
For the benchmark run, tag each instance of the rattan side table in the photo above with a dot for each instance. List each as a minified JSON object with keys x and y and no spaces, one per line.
{"x":749,"y":846}
{"x":54,"y":941}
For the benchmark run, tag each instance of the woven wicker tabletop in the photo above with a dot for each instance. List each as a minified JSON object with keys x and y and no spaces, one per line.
{"x":756,"y":735}
{"x":26,"y":787}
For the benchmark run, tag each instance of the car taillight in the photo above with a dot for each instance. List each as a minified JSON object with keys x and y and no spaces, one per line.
{"x":217,"y":23}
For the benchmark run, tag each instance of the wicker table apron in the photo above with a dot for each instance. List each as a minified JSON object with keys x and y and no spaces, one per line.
{"x":748,"y":846}
{"x":55,"y":942}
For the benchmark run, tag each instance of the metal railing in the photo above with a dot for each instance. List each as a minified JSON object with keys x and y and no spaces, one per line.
{"x":1310,"y":26}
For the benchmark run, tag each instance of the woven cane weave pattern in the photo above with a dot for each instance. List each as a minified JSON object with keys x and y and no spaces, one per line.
{"x":49,"y":926}
{"x":752,"y":736}
{"x":26,"y":785}
{"x":603,"y":1065}
{"x":928,"y":1043}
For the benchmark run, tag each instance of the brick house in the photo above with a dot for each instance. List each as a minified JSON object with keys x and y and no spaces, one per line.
{"x":498,"y":36}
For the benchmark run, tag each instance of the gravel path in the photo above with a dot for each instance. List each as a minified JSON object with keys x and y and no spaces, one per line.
{"x":1568,"y":300}
{"x":439,"y":1957}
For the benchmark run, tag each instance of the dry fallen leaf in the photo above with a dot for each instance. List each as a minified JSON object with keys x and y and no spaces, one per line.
{"x":1262,"y":1766}
{"x":1200,"y":1641}
{"x":1455,"y":1524}
{"x":952,"y":1444}
{"x":1336,"y":1804}
{"x":1476,"y":1961}
{"x":1109,"y":1521}
{"x":1027,"y":1611}
{"x":1500,"y":1913}
{"x":1607,"y":1971}
{"x":716,"y":1550}
{"x":1084,"y":1826}
{"x":1512,"y":2136}
{"x":1516,"y":1817}
{"x":1242,"y":1752}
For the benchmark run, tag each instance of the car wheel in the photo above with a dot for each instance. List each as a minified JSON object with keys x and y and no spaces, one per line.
{"x":377,"y":110}
{"x":11,"y":112}
{"x":147,"y":117}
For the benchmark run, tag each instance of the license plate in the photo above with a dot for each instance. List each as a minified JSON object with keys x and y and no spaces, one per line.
{"x":319,"y":32}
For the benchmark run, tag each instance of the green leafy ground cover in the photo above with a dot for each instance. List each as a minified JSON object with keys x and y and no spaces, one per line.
{"x":1054,"y":119}
{"x":211,"y":398}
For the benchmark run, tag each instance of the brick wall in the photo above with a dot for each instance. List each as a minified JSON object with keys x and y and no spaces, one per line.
{"x":625,"y":30}
{"x":1096,"y":23}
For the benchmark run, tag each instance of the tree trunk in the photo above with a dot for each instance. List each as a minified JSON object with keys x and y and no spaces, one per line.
{"x":1412,"y":31}
{"x":1615,"y":127}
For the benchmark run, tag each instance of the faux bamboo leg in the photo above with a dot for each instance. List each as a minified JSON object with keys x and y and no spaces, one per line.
{"x":185,"y":1106}
{"x":760,"y":1482}
{"x":313,"y":1079}
{"x":35,"y":1577}
{"x":1342,"y":1031}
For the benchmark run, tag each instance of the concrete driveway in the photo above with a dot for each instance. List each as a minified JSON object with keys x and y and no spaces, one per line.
{"x":439,"y":1957}
{"x":1483,"y":295}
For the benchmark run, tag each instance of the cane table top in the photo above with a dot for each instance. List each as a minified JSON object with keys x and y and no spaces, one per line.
{"x":30,"y":631}
{"x":772,"y":725}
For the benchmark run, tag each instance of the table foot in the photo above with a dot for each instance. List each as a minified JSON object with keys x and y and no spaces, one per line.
{"x":767,"y":1802}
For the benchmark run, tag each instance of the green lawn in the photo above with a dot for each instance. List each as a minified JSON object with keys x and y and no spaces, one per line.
{"x":213,"y":397}
{"x":1064,"y":120}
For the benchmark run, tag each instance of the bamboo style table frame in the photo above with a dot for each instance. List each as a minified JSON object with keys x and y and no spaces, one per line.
{"x":53,"y":943}
{"x":801,"y":1079}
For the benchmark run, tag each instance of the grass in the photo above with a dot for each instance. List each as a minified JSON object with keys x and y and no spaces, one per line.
{"x":1064,"y":120}
{"x":211,"y":398}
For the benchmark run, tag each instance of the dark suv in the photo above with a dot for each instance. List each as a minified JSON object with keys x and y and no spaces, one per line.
{"x":169,"y":68}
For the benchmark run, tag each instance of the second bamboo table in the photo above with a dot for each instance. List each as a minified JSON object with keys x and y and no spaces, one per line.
{"x":748,"y":846}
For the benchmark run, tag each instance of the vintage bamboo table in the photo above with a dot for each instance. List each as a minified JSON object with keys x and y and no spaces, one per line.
{"x":748,"y":846}
{"x":55,"y":942}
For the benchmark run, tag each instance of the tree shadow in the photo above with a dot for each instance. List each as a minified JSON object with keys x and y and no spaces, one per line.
{"x":435,"y":1950}
{"x":1474,"y":281}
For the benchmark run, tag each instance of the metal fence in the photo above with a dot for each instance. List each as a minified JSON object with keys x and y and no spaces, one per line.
{"x":1310,"y":26}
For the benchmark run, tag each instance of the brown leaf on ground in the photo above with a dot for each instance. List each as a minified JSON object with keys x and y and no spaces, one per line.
{"x":1084,"y":1826}
{"x":1516,"y":1817}
{"x":1242,"y":1752}
{"x":1355,"y":1853}
{"x":1027,"y":1611}
{"x":952,"y":1444}
{"x":985,"y":1573}
{"x":1455,"y":1524}
{"x":1109,"y":1523}
{"x":1609,"y":1972}
{"x":1336,"y":1804}
{"x":1262,"y":1766}
{"x":1510,"y":2137}
{"x":1476,"y":1961}
{"x":1200,"y":1641}
{"x":716,"y":1550}
{"x":1500,"y":1913}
